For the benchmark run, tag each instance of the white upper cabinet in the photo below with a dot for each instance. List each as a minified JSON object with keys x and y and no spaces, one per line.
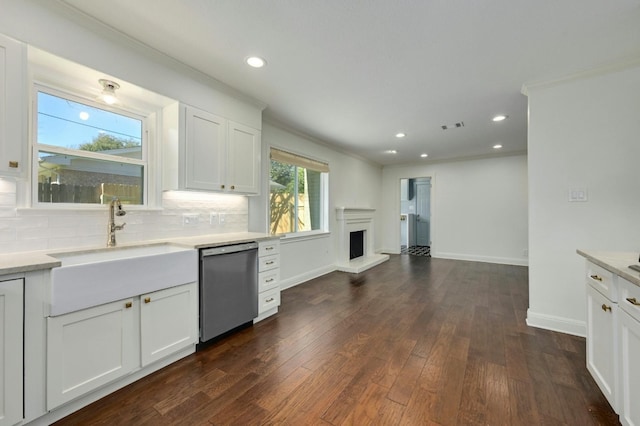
{"x":12,"y":107}
{"x":206,"y":152}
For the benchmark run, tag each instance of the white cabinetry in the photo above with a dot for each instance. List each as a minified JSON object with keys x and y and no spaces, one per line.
{"x":629,"y":356}
{"x":12,"y":111}
{"x":268,"y":278}
{"x":168,"y":321}
{"x":92,"y":347}
{"x":602,"y":342}
{"x":11,"y":356}
{"x":212,"y":152}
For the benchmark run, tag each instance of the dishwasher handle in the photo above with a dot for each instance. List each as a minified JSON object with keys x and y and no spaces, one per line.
{"x":227,"y":249}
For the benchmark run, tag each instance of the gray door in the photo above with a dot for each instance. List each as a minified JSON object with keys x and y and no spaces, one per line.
{"x":423,"y":212}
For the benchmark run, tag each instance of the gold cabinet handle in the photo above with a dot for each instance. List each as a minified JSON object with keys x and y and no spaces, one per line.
{"x":606,"y":308}
{"x":269,"y":248}
{"x":147,"y":299}
{"x":221,"y":186}
{"x":596,"y":277}
{"x":269,"y":300}
{"x":233,"y":187}
{"x":13,"y":164}
{"x":633,"y":301}
{"x":269,"y":262}
{"x":128,"y":305}
{"x":270,"y":280}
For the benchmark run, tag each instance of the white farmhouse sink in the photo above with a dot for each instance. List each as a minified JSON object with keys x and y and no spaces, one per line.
{"x":91,"y":278}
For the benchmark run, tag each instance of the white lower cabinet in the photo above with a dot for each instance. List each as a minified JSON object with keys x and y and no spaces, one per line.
{"x":602,"y":343}
{"x":90,"y":348}
{"x":11,"y":352}
{"x":629,"y":357}
{"x":168,"y":322}
{"x":268,"y":278}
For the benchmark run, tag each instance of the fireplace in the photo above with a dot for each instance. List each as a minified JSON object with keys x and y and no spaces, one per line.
{"x":355,"y":240}
{"x":356,"y":244}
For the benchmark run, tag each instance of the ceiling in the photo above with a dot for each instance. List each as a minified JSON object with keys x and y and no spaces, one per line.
{"x":354,"y":73}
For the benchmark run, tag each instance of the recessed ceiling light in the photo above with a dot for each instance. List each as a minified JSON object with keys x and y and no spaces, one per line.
{"x":84,"y":115}
{"x":255,"y":61}
{"x":424,"y":155}
{"x":497,"y":146}
{"x":391,"y":151}
{"x":400,"y":135}
{"x":500,"y":117}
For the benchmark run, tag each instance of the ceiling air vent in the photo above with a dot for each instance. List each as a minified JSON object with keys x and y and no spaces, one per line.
{"x":453,"y":126}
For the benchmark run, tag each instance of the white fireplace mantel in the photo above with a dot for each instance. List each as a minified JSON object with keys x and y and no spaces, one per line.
{"x":352,"y":219}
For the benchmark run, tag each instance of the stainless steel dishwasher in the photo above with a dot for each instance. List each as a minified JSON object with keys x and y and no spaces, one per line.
{"x":228,"y":288}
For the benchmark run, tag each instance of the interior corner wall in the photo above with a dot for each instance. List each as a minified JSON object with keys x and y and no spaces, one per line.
{"x":583,"y":134}
{"x":352,"y":183}
{"x":478,"y":208}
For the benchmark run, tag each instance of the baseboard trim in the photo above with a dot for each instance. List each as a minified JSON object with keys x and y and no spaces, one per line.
{"x":299,"y":279}
{"x":554,"y":323}
{"x":475,"y":258}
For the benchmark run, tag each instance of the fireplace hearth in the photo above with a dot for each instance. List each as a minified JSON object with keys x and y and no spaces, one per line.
{"x":358,"y":221}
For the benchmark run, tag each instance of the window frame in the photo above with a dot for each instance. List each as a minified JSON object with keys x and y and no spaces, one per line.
{"x":36,"y":148}
{"x":324,"y":198}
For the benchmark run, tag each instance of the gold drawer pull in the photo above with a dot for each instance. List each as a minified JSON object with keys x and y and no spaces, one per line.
{"x":606,"y":308}
{"x":221,"y":186}
{"x":596,"y":277}
{"x":233,"y":187}
{"x":13,"y":164}
{"x":270,"y":280}
{"x":147,"y":299}
{"x":633,"y":301}
{"x":269,"y":248}
{"x":269,"y":262}
{"x":128,"y":305}
{"x":269,"y":300}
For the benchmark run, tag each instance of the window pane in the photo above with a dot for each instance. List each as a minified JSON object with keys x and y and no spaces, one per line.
{"x":73,"y":179}
{"x":69,"y":124}
{"x":281,"y":198}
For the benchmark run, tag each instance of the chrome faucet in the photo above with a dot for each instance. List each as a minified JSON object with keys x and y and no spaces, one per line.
{"x":111,"y":226}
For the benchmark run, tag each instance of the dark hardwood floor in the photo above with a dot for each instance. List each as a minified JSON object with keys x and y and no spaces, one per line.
{"x":414,"y":341}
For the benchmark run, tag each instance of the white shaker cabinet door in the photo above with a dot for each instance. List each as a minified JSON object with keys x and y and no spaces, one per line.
{"x":602,"y":342}
{"x":12,"y":110}
{"x":11,"y":384}
{"x":90,"y":348}
{"x":168,"y":321}
{"x":205,"y":150}
{"x":243,"y":159}
{"x":630,"y":369}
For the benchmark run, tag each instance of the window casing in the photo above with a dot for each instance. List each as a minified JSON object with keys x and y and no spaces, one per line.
{"x":297,"y":194}
{"x":85,"y":153}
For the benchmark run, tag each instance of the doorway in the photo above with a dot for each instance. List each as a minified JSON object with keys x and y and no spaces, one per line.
{"x":415,"y":216}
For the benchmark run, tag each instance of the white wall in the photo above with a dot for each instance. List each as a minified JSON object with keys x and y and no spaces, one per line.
{"x":352,"y":183}
{"x":478,"y":209}
{"x":583,"y":133}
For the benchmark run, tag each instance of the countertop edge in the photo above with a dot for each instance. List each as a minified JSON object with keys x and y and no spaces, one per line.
{"x":615,"y":262}
{"x":28,"y":261}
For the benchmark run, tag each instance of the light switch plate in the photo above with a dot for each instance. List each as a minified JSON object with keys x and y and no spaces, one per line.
{"x":578,"y":195}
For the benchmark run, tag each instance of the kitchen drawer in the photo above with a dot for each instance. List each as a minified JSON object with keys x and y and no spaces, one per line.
{"x":629,"y":298}
{"x":602,"y":280}
{"x":267,"y":263}
{"x":268,"y":300}
{"x":270,"y":247}
{"x":268,"y":280}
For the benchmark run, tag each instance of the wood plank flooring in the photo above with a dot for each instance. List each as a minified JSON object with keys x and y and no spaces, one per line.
{"x":414,"y":341}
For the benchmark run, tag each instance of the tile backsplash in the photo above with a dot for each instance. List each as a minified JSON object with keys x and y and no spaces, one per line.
{"x":42,"y":229}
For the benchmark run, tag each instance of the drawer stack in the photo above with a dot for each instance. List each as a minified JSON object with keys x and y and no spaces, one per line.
{"x":268,"y":278}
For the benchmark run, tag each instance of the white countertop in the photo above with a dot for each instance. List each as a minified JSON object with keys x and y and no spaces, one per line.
{"x":616,"y":262}
{"x":37,"y":260}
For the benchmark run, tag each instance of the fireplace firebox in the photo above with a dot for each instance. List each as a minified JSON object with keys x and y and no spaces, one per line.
{"x":356,"y":244}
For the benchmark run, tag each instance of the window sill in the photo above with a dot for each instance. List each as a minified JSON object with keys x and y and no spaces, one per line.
{"x":313,"y":235}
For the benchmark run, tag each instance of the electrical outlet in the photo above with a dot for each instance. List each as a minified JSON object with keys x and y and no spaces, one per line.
{"x":189,"y":218}
{"x":213,"y":219}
